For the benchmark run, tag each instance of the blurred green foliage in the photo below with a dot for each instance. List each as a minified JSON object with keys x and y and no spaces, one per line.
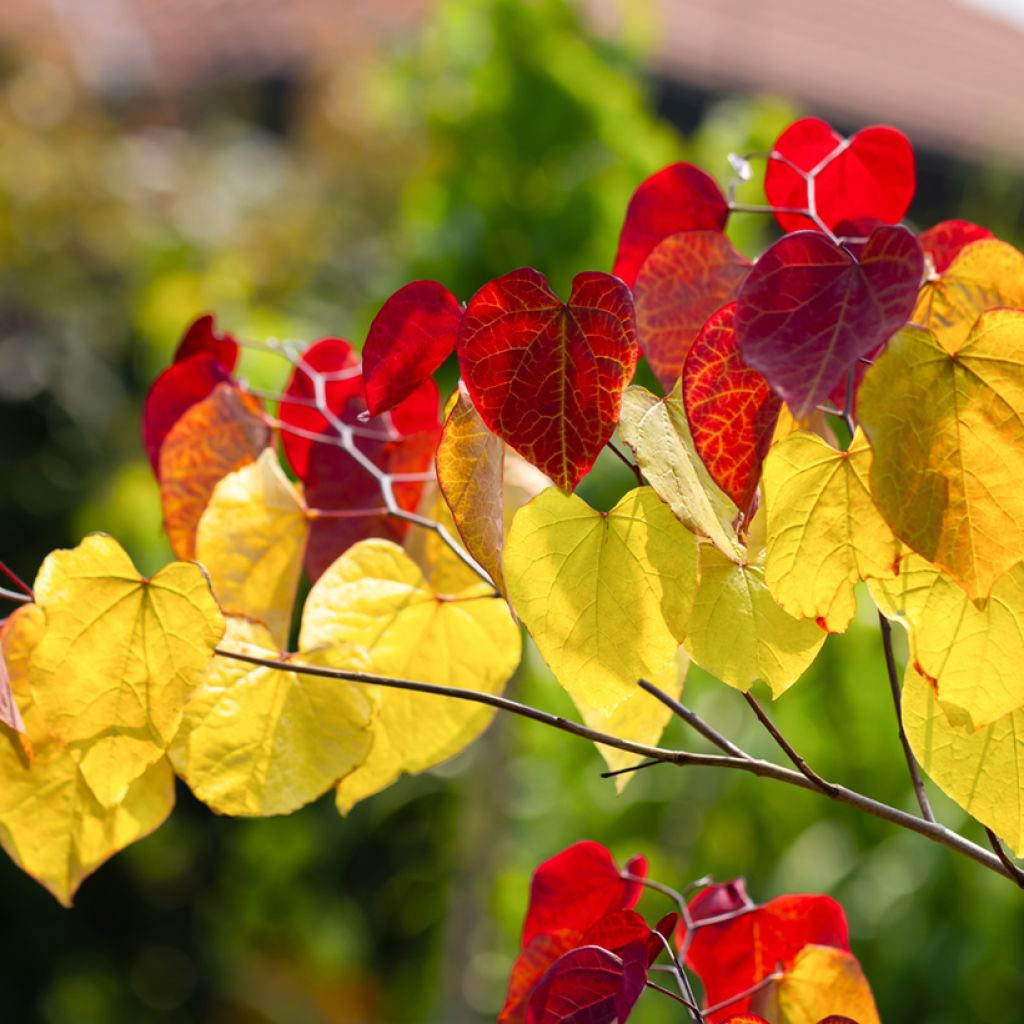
{"x":502,"y":135}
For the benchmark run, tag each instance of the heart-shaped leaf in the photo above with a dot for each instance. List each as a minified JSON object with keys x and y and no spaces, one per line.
{"x":871,"y":175}
{"x":679,"y":197}
{"x":545,"y":376}
{"x":683,"y":281}
{"x":410,"y":337}
{"x":730,"y":407}
{"x":808,"y":310}
{"x":202,"y":338}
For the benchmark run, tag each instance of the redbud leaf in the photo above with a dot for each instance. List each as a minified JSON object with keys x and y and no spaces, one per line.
{"x":410,"y":337}
{"x":545,"y":376}
{"x":944,"y":241}
{"x":871,"y":177}
{"x":679,"y":197}
{"x":202,"y":338}
{"x":176,"y":390}
{"x":731,"y":409}
{"x":684,"y":279}
{"x":808,"y":310}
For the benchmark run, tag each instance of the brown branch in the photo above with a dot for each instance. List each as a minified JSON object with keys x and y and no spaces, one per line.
{"x":751,"y":765}
{"x":894,"y":685}
{"x":1015,"y":869}
{"x":693,"y":720}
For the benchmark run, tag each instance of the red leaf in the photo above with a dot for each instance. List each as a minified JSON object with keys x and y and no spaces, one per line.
{"x":178,"y":388}
{"x":872,"y":176}
{"x":734,"y":955}
{"x":679,"y":197}
{"x":682,"y":282}
{"x":589,"y":985}
{"x":547,"y":377}
{"x":410,"y":337}
{"x":731,"y":410}
{"x":746,"y":1018}
{"x":945,"y":240}
{"x":576,"y":888}
{"x":202,"y":339}
{"x":9,"y":714}
{"x":808,"y":310}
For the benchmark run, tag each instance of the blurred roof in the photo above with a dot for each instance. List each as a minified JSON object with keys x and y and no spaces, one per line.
{"x":950,"y":73}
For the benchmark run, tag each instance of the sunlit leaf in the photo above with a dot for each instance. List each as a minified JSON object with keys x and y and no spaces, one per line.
{"x":545,"y":376}
{"x":606,"y":597}
{"x":118,"y":658}
{"x":684,"y":279}
{"x":259,"y":741}
{"x":214,"y":437}
{"x":824,"y":531}
{"x":658,"y":432}
{"x":202,"y":338}
{"x":947,"y":432}
{"x":51,"y":823}
{"x":375,"y":598}
{"x":251,"y":540}
{"x":983,"y":275}
{"x":982,"y":771}
{"x":822,"y":982}
{"x":944,"y":241}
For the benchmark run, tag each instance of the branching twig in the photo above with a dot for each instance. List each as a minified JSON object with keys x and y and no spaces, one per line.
{"x":894,"y":686}
{"x":1015,"y":869}
{"x":753,"y":766}
{"x":693,"y":720}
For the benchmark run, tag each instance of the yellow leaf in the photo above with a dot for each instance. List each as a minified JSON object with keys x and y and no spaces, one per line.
{"x":51,"y":824}
{"x":640,"y":717}
{"x":251,"y":540}
{"x":947,"y":431}
{"x":824,"y":531}
{"x":606,"y":597}
{"x":657,"y":431}
{"x":375,"y":598}
{"x":823,"y":982}
{"x":738,"y":632}
{"x":212,"y":438}
{"x":259,"y":741}
{"x":984,"y":275}
{"x":118,"y":658}
{"x":982,"y":771}
{"x":973,"y":652}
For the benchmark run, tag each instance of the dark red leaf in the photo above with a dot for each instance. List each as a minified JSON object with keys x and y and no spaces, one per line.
{"x":178,"y":388}
{"x":873,"y":176}
{"x":533,"y":960}
{"x":9,"y":713}
{"x":731,"y":410}
{"x":734,"y":955}
{"x":547,"y":377}
{"x":202,"y":338}
{"x":679,"y":197}
{"x":682,"y":282}
{"x":944,"y":241}
{"x":576,"y":888}
{"x":410,"y":337}
{"x":589,"y":985}
{"x":746,"y":1018}
{"x":808,"y":310}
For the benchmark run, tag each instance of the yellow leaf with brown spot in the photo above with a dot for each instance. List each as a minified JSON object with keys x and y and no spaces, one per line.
{"x":605,"y":596}
{"x":252,"y":539}
{"x":982,"y":771}
{"x":375,"y":598}
{"x":947,"y":433}
{"x":824,"y":531}
{"x":972,"y":651}
{"x":984,"y":275}
{"x":257,"y":740}
{"x":51,"y":823}
{"x":118,"y":658}
{"x":212,"y":438}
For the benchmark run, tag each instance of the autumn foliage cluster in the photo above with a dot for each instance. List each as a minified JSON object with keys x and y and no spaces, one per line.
{"x":847,"y":407}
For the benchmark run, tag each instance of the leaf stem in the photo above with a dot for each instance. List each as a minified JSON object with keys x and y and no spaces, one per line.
{"x":894,"y":686}
{"x":16,"y":580}
{"x":13,"y":595}
{"x":633,"y":467}
{"x":684,"y":758}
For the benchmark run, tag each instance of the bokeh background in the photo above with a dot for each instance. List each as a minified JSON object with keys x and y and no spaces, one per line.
{"x":288,"y":165}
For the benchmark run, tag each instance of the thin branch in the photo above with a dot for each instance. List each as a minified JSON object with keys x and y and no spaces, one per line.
{"x":683,"y":980}
{"x":631,"y":768}
{"x":751,"y":765}
{"x":16,"y":580}
{"x":693,"y":720}
{"x":13,"y":595}
{"x":752,"y":991}
{"x":802,"y":766}
{"x":1011,"y":865}
{"x":632,"y":466}
{"x":894,"y":686}
{"x":679,"y":999}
